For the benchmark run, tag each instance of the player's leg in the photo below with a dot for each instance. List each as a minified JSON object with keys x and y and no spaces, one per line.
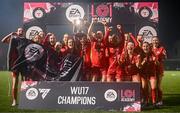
{"x":88,"y":74}
{"x":104,"y":74}
{"x":109,"y":78}
{"x":136,"y":78}
{"x":145,"y":90}
{"x":159,"y":89}
{"x":15,"y":81}
{"x":111,"y":74}
{"x":94,"y":78}
{"x":119,"y":74}
{"x":95,"y":74}
{"x":153,"y":85}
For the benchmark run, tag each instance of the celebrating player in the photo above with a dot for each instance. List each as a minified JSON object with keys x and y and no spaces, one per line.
{"x":160,"y":53}
{"x":85,"y":54}
{"x":115,"y":46}
{"x":15,"y":73}
{"x":148,"y":73}
{"x":130,"y":62}
{"x":98,"y":59}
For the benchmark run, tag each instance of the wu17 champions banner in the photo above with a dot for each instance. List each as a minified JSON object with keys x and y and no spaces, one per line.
{"x":124,"y":96}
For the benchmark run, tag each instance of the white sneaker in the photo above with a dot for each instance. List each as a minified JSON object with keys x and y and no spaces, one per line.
{"x":14,"y":103}
{"x":159,"y":103}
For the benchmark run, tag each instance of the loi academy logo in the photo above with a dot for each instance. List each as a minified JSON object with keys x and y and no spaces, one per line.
{"x":127,"y":95}
{"x":102,"y":10}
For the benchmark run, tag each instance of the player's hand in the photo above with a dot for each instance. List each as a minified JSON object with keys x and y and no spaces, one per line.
{"x":154,"y":59}
{"x":110,"y":28}
{"x":130,"y":33}
{"x":140,"y":39}
{"x":94,"y":19}
{"x":104,"y":22}
{"x":13,"y":33}
{"x":119,"y":27}
{"x":144,"y":61}
{"x":164,"y":53}
{"x":49,"y":34}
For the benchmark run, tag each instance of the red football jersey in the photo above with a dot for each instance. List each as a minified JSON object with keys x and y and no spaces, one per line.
{"x":129,"y":64}
{"x":114,"y":51}
{"x":98,"y":47}
{"x":85,"y":53}
{"x":149,"y":67}
{"x":98,"y":54}
{"x":160,"y":54}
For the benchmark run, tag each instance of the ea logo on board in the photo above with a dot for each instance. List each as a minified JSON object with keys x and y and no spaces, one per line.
{"x":74,"y":12}
{"x":148,"y":32}
{"x":110,"y":95}
{"x":32,"y":93}
{"x":33,"y":52}
{"x":32,"y":31}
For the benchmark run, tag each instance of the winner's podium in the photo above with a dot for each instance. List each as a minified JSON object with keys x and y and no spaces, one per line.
{"x":123,"y":96}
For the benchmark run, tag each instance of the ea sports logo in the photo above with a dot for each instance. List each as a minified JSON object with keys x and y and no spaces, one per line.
{"x":148,"y":32}
{"x":33,"y":52}
{"x":110,"y":95}
{"x":74,"y":12}
{"x":32,"y":31}
{"x":31,"y":93}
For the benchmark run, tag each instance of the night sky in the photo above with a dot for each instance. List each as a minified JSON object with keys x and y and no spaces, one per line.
{"x":11,"y":15}
{"x":169,"y":22}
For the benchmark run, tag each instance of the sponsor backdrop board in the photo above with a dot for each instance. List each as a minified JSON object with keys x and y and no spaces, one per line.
{"x":123,"y":96}
{"x":136,"y":17}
